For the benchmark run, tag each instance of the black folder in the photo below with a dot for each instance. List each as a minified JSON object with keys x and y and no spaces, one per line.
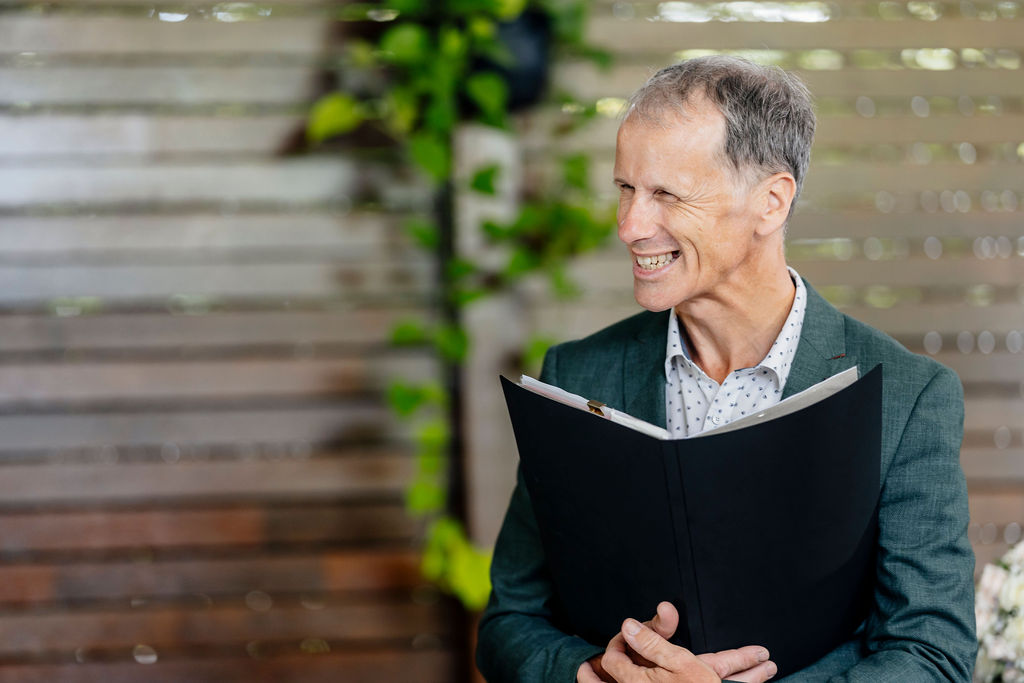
{"x":763,"y":535}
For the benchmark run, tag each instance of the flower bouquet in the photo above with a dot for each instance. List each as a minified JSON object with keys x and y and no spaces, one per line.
{"x":999,"y":610}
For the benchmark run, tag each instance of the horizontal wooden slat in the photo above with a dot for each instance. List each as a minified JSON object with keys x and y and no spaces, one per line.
{"x":309,"y":179}
{"x":136,"y":134}
{"x":920,"y":318}
{"x":598,"y":136}
{"x":159,"y":85}
{"x":196,"y":333}
{"x":376,"y":474}
{"x":588,"y":81}
{"x":24,"y":633}
{"x":185,"y":428}
{"x":346,"y":236}
{"x":27,"y":284}
{"x":911,"y":272}
{"x":610,"y":271}
{"x":430,"y":666}
{"x":149,"y":579}
{"x":247,"y":526}
{"x":646,"y":37}
{"x":41,"y":384}
{"x":1006,"y":466}
{"x":824,"y":181}
{"x":117,"y":35}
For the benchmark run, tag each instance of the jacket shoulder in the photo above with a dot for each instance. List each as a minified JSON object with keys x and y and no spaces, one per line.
{"x":600,"y":353}
{"x":872,"y":346}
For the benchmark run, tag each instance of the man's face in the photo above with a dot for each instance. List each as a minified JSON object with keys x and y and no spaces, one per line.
{"x":684,"y":215}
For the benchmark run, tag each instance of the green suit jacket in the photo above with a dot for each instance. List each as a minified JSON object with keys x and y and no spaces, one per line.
{"x":921,"y":623}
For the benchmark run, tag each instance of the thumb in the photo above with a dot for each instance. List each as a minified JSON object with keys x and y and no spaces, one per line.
{"x":666,"y":621}
{"x":653,"y":647}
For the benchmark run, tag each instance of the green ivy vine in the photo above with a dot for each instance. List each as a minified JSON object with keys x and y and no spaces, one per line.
{"x":421,"y":68}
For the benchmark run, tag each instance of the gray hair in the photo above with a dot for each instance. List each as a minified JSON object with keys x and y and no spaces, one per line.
{"x":769,"y":119}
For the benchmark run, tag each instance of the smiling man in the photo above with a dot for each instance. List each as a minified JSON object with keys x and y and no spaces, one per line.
{"x":710,"y":158}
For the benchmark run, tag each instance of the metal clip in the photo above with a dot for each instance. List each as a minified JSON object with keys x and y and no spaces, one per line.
{"x":595,"y":407}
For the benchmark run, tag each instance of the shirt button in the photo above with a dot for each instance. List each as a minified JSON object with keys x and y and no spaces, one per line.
{"x":716,"y":419}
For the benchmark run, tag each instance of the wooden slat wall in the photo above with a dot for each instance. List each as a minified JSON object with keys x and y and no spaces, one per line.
{"x":911,"y":218}
{"x":197,"y":469}
{"x":198,"y":478}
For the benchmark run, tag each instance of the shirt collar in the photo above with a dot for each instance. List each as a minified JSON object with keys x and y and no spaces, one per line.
{"x":779,"y":363}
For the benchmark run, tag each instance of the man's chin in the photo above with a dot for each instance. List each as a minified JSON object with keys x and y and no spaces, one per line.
{"x":654,"y":304}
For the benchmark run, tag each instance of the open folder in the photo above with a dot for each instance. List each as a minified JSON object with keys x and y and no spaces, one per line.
{"x":762,"y":533}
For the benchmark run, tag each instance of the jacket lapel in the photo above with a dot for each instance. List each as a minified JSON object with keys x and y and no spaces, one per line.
{"x":821,"y":352}
{"x":643,"y":370}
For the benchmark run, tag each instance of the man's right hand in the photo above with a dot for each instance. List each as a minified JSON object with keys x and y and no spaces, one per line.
{"x":745,"y":665}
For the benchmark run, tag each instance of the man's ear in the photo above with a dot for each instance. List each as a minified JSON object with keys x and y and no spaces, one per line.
{"x":777,"y":192}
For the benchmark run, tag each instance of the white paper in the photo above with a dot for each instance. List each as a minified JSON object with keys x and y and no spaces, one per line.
{"x":807,"y":397}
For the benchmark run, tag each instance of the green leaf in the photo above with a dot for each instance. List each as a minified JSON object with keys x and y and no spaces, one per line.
{"x":508,"y":10}
{"x":430,"y":462}
{"x":425,"y":496}
{"x":361,"y":53}
{"x":401,"y":109}
{"x":406,"y":44}
{"x":452,"y":343}
{"x":459,"y":268}
{"x":469,"y":575}
{"x":535,"y":350}
{"x":409,"y":332}
{"x":432,"y":155}
{"x":521,"y":261}
{"x":423,"y":232}
{"x":576,"y":171}
{"x":490,"y":94}
{"x":562,"y":286}
{"x":405,"y":399}
{"x":432,"y":436}
{"x":407,"y":6}
{"x":334,"y":114}
{"x":494,"y":231}
{"x":484,"y":178}
{"x":462,"y":296}
{"x":440,"y":115}
{"x":453,"y":43}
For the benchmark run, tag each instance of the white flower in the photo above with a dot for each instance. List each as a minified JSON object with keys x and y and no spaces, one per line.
{"x":1011,"y":595}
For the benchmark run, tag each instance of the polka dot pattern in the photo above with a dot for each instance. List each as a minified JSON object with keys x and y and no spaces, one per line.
{"x":695,"y":403}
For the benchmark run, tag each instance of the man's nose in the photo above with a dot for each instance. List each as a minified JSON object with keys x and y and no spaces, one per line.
{"x":636,"y":221}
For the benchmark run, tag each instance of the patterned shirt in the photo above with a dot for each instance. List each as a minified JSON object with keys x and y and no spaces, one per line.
{"x":694,"y":402}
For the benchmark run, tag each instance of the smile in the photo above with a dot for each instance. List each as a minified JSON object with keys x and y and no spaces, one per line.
{"x":656,"y":261}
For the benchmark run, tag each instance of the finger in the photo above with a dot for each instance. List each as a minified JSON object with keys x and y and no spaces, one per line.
{"x":666,"y":621}
{"x":648,"y":644}
{"x":728,"y":662}
{"x":758,"y":674}
{"x":586,"y":674}
{"x":618,"y":643}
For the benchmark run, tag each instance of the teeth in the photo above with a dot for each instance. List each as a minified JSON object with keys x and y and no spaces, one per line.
{"x":655,"y":262}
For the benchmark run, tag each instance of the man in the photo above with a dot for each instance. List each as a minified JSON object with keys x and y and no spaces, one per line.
{"x":709,"y":161}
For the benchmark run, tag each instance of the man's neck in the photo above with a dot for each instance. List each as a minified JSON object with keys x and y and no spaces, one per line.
{"x":737,"y":327}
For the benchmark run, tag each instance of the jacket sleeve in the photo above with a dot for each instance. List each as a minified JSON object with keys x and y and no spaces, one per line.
{"x":517,"y":640}
{"x":921,"y":627}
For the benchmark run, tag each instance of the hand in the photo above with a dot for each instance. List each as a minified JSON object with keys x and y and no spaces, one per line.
{"x":664,"y":623}
{"x":672,"y":663}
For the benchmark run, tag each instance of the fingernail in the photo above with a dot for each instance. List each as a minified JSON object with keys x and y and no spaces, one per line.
{"x":771,"y":669}
{"x":763,"y":655}
{"x":632,"y":626}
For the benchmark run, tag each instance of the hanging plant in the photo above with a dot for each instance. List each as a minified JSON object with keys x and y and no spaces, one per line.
{"x":420,"y":69}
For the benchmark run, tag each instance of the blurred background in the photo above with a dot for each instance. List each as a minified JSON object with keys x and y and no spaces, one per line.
{"x":261,"y":264}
